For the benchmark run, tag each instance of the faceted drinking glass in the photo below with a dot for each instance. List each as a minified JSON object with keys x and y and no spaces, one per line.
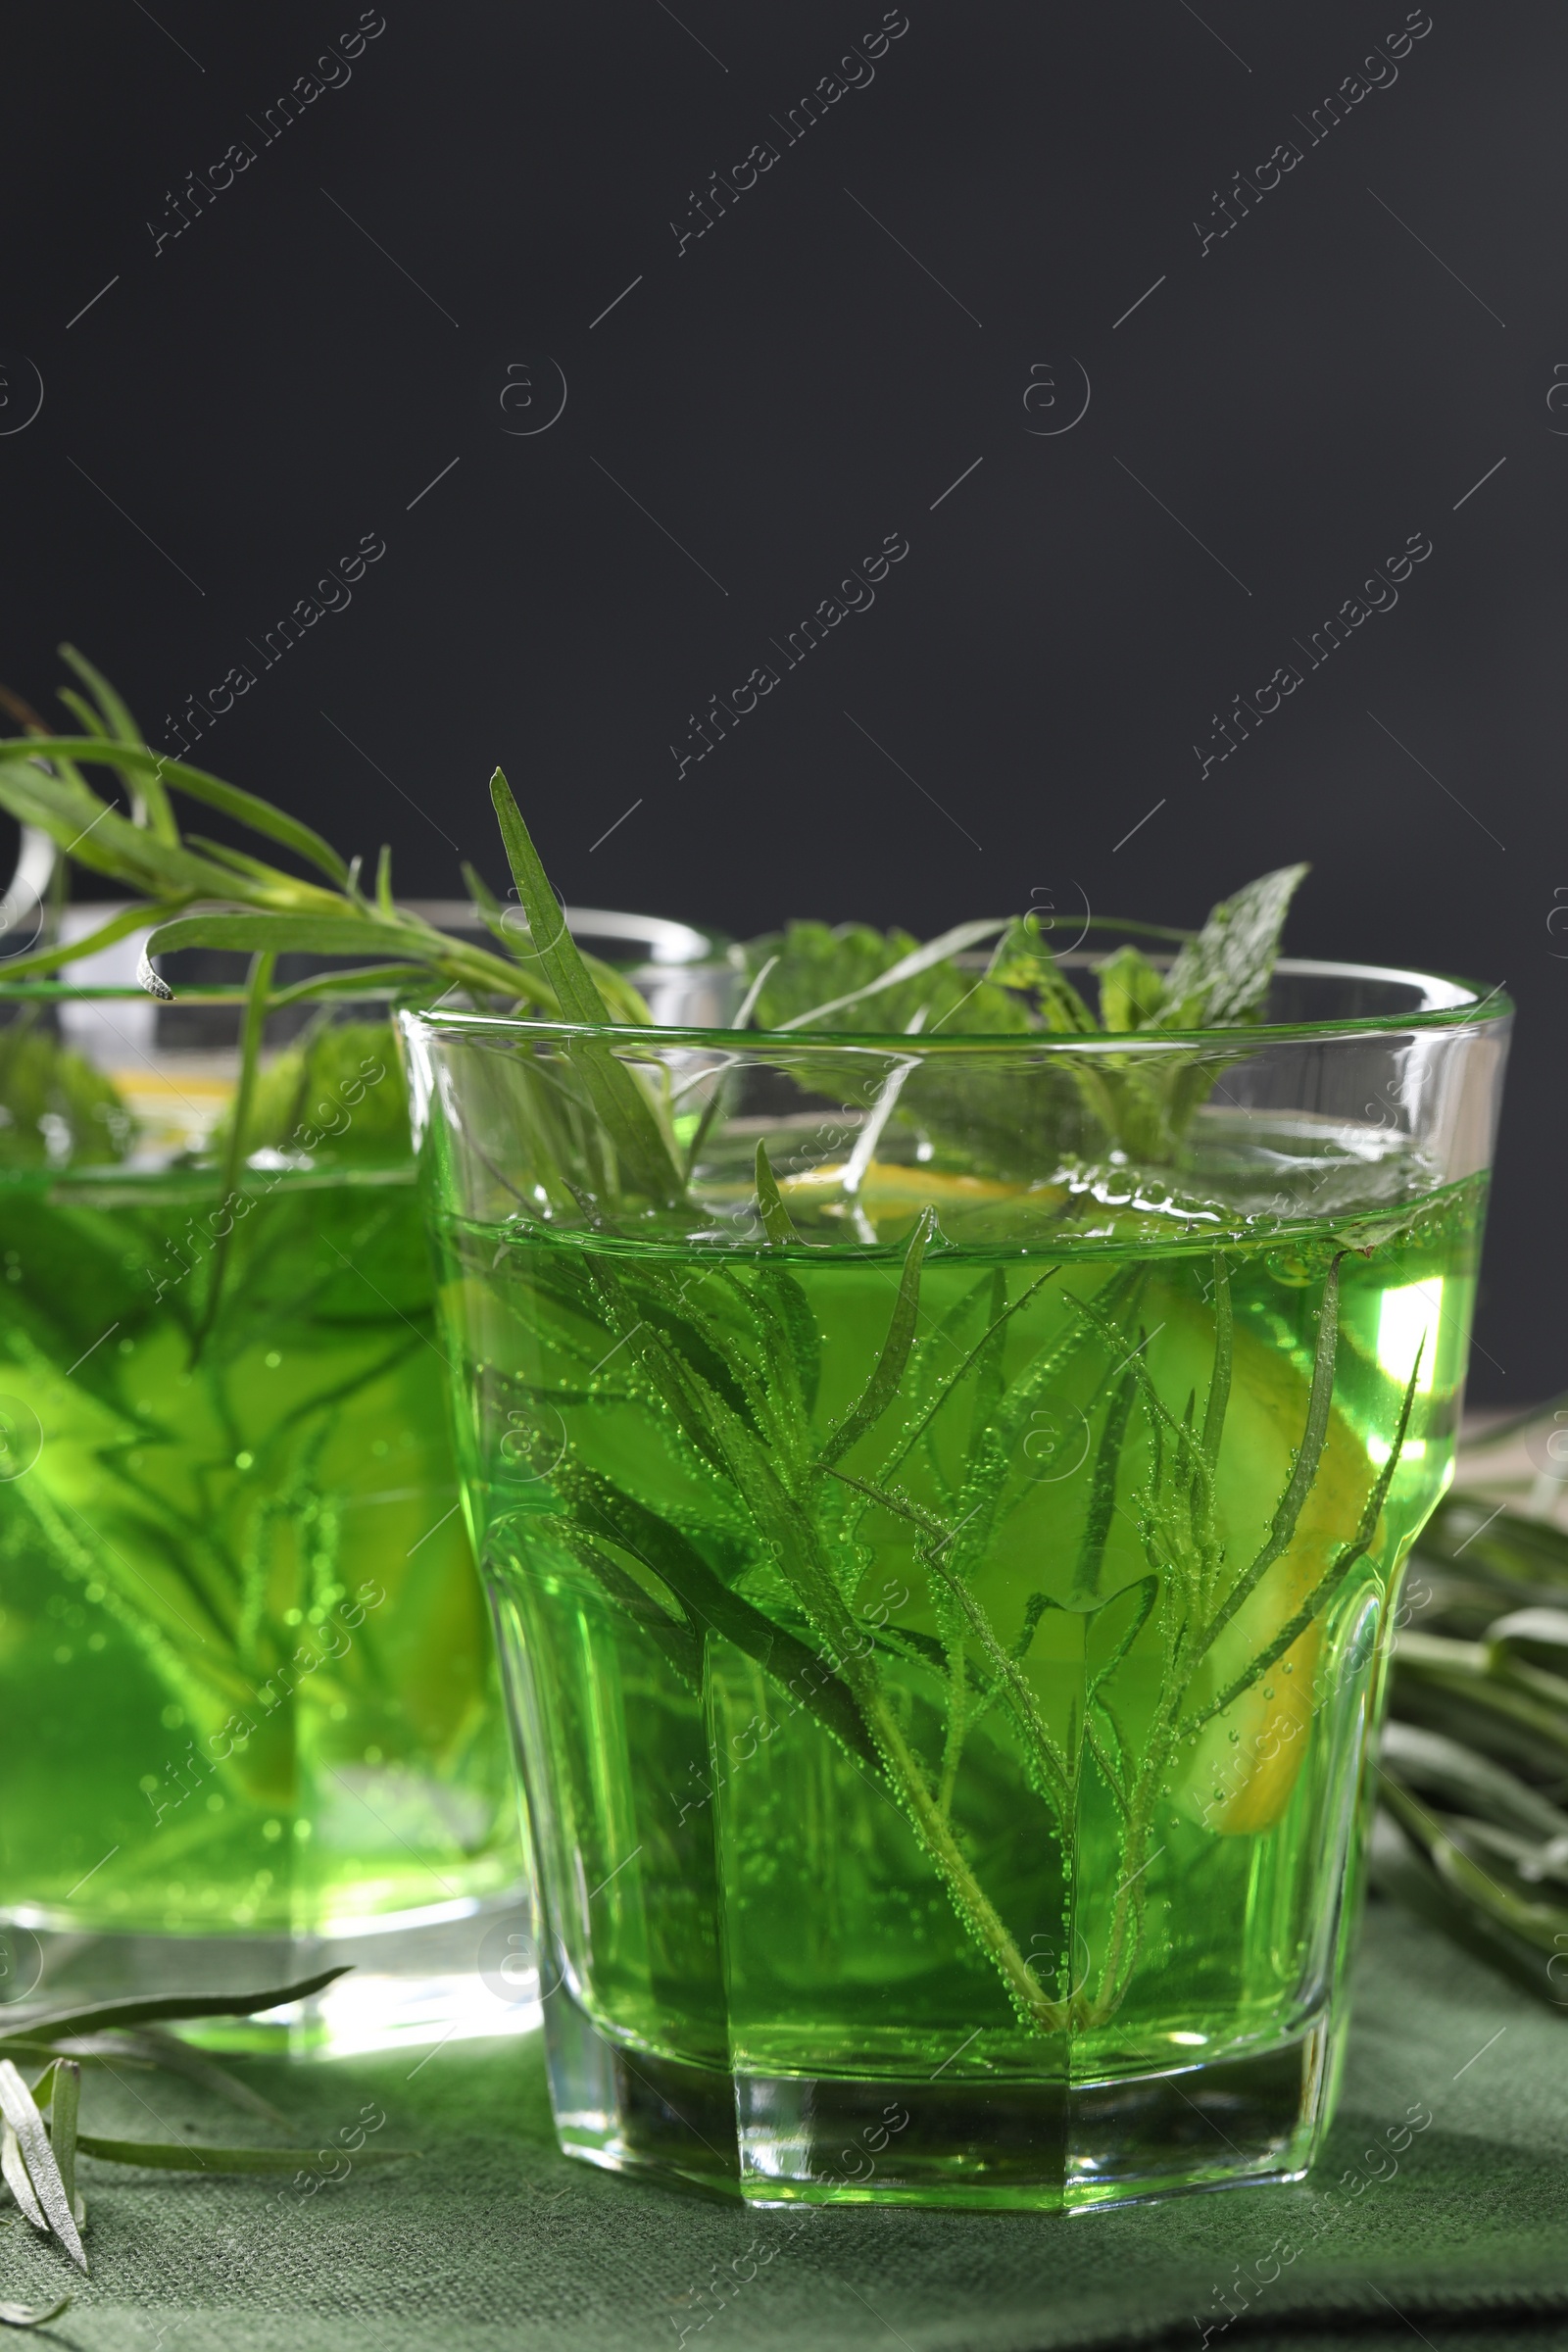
{"x":943,"y":1562}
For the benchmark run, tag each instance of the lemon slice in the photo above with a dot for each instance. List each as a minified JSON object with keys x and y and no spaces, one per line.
{"x":898,"y":1184}
{"x":1241,"y":1786}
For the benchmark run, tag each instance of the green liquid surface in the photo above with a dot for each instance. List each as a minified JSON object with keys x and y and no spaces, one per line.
{"x":967,"y":1735}
{"x":246,"y":1681}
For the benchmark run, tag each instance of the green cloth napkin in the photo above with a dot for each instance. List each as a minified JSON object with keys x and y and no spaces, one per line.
{"x":494,"y":2239}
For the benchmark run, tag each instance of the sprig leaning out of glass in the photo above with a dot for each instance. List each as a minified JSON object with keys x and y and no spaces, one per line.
{"x":247,"y":1683}
{"x":941,"y":1450}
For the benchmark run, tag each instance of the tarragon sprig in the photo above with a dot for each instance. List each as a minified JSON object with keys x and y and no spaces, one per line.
{"x":202,"y":894}
{"x":40,"y":2137}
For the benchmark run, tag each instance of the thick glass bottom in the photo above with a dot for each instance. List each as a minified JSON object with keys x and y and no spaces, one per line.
{"x":1029,"y":2145}
{"x":454,"y":1971}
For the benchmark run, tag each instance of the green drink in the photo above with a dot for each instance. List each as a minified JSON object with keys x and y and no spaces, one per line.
{"x":247,"y":1708}
{"x":943,"y":1585}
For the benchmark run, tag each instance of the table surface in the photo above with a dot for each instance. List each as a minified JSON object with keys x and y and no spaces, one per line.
{"x":492,"y":2239}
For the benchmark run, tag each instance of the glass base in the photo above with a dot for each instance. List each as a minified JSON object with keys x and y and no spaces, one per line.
{"x":451,"y":1972}
{"x":632,"y":2111}
{"x":1032,"y":2145}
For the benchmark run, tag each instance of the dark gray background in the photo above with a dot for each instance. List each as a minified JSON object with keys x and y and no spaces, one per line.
{"x":332,"y":333}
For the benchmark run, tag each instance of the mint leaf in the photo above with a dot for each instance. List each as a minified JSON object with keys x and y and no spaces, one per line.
{"x":1223,"y":974}
{"x":817,"y":970}
{"x":1023,"y":961}
{"x":337,"y":1094}
{"x":1131,"y":991}
{"x":55,"y":1107}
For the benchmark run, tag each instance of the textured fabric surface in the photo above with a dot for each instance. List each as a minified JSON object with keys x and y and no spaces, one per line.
{"x":494,"y":2239}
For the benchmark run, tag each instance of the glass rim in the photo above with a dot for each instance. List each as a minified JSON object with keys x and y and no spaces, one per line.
{"x":1449,"y":1004}
{"x":665,"y":947}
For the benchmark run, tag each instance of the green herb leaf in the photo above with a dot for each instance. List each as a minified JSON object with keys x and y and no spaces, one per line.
{"x":640,"y":1142}
{"x":1131,"y":990}
{"x":32,"y":2314}
{"x":361,"y":980}
{"x":23,"y":2118}
{"x":181,"y":2156}
{"x":98,"y":2016}
{"x":908,"y":968}
{"x":277,"y":934}
{"x":1464,"y":1781}
{"x":49,"y":959}
{"x":883,"y":1383}
{"x":17,"y":2179}
{"x":1223,"y":974}
{"x":252,"y":1028}
{"x":1103,"y":1490}
{"x":246,"y":806}
{"x":1220,"y":1384}
{"x":777,"y":1223}
{"x":150,"y":801}
{"x":93,"y":830}
{"x":485,"y":902}
{"x":63,"y":2111}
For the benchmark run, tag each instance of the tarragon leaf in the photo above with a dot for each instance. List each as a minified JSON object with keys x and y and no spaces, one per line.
{"x":627,"y":1114}
{"x":1219,"y":1385}
{"x":92,"y":831}
{"x":17,"y":2180}
{"x":1102,"y":1488}
{"x":240,"y":861}
{"x":114,"y":719}
{"x":910,"y":1438}
{"x":252,"y":1028}
{"x":175,"y":2057}
{"x":1464,"y":1781}
{"x":98,"y":2016}
{"x":713,"y":1606}
{"x":281,"y":934}
{"x":49,"y":959}
{"x":181,"y":2156}
{"x":63,"y":2103}
{"x":363,"y":980}
{"x":23,"y":2118}
{"x":777,"y":1223}
{"x":485,"y":903}
{"x":32,"y":2314}
{"x":246,"y":806}
{"x":882,"y":1383}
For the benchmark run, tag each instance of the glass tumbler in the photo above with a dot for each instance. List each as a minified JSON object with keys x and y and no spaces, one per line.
{"x":940,"y":1501}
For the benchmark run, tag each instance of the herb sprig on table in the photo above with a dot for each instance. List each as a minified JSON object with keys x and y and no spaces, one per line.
{"x":41,"y":2132}
{"x":1474,"y":1771}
